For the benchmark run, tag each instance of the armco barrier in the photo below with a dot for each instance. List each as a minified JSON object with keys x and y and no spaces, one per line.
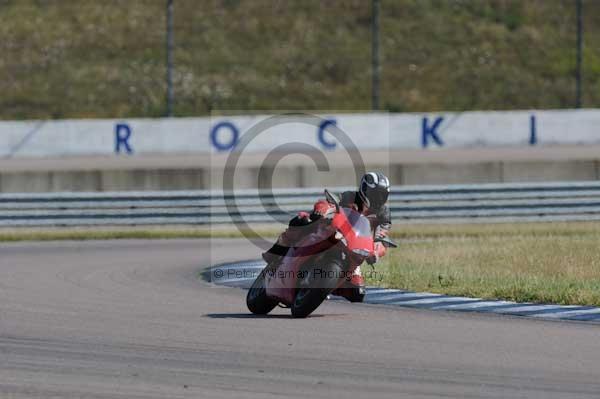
{"x":413,"y":204}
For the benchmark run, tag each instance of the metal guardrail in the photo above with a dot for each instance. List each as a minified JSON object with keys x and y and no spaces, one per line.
{"x":414,"y":204}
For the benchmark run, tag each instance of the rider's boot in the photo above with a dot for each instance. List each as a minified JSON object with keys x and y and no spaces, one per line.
{"x":286,"y":240}
{"x":275,"y":254}
{"x":354,"y":289}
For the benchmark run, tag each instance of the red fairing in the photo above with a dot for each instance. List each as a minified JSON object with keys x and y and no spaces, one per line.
{"x":354,"y":240}
{"x":356,"y":230}
{"x":282,"y":284}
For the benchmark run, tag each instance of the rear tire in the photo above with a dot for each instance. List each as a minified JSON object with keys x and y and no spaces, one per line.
{"x":257,"y":300}
{"x":313,"y":291}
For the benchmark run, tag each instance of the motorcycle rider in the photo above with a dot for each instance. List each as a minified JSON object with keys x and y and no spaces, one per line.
{"x":370,"y":199}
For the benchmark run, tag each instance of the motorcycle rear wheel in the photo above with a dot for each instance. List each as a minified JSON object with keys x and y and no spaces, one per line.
{"x":312,"y":291}
{"x":257,"y":300}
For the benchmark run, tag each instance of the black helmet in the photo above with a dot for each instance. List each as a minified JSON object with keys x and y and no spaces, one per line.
{"x":374,"y":189}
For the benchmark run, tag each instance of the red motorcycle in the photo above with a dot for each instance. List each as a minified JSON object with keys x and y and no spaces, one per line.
{"x":320,"y":263}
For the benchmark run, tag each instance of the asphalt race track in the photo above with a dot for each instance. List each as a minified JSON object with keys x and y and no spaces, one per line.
{"x":130,"y":319}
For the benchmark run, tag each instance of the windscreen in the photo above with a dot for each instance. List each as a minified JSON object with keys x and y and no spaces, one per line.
{"x":359,"y":222}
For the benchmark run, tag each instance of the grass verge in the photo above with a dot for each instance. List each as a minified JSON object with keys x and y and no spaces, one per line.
{"x":403,"y":232}
{"x":82,"y":234}
{"x":546,"y":263}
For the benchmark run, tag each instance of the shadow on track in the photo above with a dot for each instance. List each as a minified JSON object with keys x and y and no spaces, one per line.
{"x":254,"y":316}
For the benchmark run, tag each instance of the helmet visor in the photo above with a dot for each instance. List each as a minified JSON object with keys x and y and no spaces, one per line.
{"x":377,"y":198}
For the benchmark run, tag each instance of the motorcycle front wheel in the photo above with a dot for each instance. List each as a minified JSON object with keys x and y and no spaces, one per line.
{"x":257,"y":300}
{"x":314,"y":288}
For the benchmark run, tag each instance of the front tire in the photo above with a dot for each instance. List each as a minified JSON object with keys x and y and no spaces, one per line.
{"x":257,"y":300}
{"x":354,"y":294}
{"x":312,"y":291}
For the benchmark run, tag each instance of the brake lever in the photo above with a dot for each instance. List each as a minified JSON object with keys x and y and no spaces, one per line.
{"x":386,"y":242}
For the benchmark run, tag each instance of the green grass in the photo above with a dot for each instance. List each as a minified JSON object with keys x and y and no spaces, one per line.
{"x":115,"y":233}
{"x":547,"y":263}
{"x":89,"y":58}
{"x":401,"y":231}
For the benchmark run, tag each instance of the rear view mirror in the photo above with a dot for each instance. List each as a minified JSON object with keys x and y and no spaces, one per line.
{"x":332,"y":199}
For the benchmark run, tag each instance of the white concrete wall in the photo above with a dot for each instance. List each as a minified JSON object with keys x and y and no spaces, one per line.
{"x":367,"y":131}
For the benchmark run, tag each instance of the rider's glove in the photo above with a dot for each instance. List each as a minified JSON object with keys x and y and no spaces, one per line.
{"x":323,"y":208}
{"x":378,"y":252}
{"x":303,"y":215}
